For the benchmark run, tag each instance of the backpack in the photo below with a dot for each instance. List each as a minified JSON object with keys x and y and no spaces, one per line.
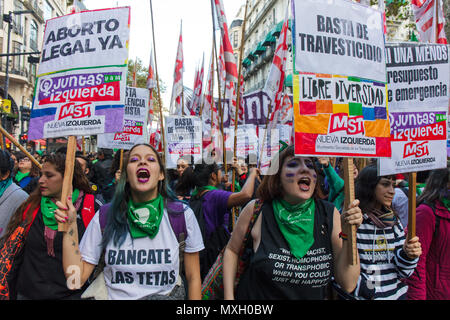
{"x":214,"y":243}
{"x":12,"y":247}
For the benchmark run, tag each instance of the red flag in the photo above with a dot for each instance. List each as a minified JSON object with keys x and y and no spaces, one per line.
{"x":230,"y":61}
{"x":177,"y":88}
{"x":425,"y":14}
{"x":151,"y":84}
{"x":275,"y":81}
{"x":198,"y":87}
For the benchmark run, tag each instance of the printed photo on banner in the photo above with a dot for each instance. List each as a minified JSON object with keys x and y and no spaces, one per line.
{"x":135,"y":121}
{"x":339,"y":37}
{"x":418,"y":96}
{"x":340,"y":116}
{"x":183,"y":137}
{"x":88,"y":38}
{"x":78,"y":102}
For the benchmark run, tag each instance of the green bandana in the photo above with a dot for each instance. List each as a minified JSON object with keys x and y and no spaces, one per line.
{"x":20,"y":175}
{"x":446,"y":202}
{"x":48,"y":208}
{"x":198,"y":190}
{"x":296,"y":223}
{"x":144,"y":218}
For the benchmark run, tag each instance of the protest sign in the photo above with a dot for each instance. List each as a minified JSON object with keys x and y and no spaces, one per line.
{"x":183,"y":137}
{"x":134,"y":123}
{"x":340,"y":116}
{"x":78,"y":102}
{"x":339,"y":37}
{"x":418,"y":80}
{"x":247,"y":141}
{"x":88,"y":38}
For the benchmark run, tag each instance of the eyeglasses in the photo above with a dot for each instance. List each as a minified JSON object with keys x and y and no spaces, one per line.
{"x":24,"y":159}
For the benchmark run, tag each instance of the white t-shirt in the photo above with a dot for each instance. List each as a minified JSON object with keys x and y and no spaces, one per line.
{"x":142,"y":266}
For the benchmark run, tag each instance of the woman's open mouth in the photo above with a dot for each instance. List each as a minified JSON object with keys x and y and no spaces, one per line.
{"x":143,"y":175}
{"x":304,"y":183}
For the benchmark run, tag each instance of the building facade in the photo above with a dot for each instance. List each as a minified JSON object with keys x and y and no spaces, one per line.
{"x":262,"y":29}
{"x":26,"y":24}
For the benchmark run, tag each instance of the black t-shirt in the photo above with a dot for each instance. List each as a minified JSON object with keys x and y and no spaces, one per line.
{"x":41,"y":276}
{"x":275,"y":274}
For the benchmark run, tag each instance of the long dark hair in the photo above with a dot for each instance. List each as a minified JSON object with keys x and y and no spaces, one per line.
{"x":196,"y":177}
{"x":117,"y":225}
{"x":6,"y":163}
{"x":365,"y":185}
{"x":436,"y":186}
{"x":270,"y":187}
{"x":79,"y":182}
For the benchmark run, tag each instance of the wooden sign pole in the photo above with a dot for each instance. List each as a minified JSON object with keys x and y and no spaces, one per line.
{"x":68,"y":175}
{"x":121,"y":160}
{"x":412,"y":205}
{"x":349,"y":197}
{"x":13,"y":140}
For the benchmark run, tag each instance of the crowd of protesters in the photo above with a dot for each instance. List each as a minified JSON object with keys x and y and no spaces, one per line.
{"x":143,"y":231}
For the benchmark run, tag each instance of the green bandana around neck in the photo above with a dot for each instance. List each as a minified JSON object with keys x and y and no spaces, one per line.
{"x":48,"y":208}
{"x":296,"y":223}
{"x":145,"y":218}
{"x":201,"y":189}
{"x":20,"y":175}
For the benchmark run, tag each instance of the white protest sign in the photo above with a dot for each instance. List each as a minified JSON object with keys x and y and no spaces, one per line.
{"x":88,"y":38}
{"x":246,"y":142}
{"x":418,"y":97}
{"x":339,"y":37}
{"x":183,"y":137}
{"x":134,"y":123}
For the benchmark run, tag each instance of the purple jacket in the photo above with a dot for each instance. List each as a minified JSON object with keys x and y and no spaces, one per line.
{"x":431,"y":280}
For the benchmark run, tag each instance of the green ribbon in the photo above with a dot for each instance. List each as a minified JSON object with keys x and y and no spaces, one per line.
{"x":145,"y":218}
{"x":446,"y":202}
{"x":48,"y":208}
{"x":296,"y":223}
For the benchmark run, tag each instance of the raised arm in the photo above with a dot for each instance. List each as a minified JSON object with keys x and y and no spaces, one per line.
{"x":242,"y":197}
{"x":76,"y":270}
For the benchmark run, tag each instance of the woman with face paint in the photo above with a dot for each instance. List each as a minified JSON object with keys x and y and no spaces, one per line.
{"x":431,"y":279}
{"x":140,"y":242}
{"x":386,"y":256}
{"x":295,"y":246}
{"x":37,"y":273}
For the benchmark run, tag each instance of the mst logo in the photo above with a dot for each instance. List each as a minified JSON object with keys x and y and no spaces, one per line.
{"x":75,"y":111}
{"x":342,"y":122}
{"x":416,"y":149}
{"x":122,"y":136}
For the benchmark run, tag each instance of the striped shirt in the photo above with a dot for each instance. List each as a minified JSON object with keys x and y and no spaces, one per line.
{"x":383,"y":260}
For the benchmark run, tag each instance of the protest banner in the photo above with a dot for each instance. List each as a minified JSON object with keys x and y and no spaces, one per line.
{"x":85,"y":39}
{"x":78,"y":102}
{"x":80,"y":88}
{"x":134,"y":122}
{"x":246,"y":141}
{"x":340,"y":116}
{"x":183,"y":137}
{"x":340,"y":37}
{"x":418,"y":97}
{"x":340,"y":105}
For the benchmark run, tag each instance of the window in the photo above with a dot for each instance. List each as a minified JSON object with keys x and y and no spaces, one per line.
{"x":16,"y":60}
{"x":33,"y":35}
{"x":48,"y":11}
{"x":235,"y":39}
{"x":17,"y":17}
